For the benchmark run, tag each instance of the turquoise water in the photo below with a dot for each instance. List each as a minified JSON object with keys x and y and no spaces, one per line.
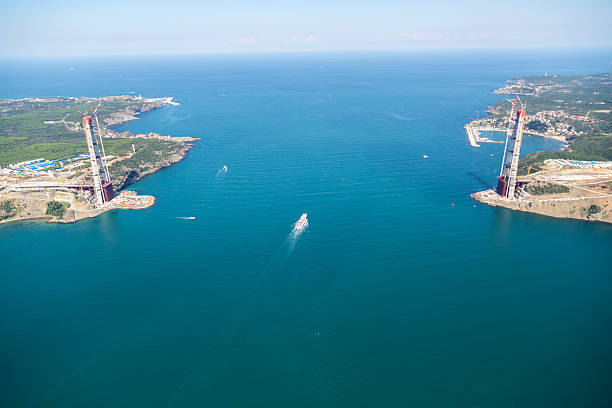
{"x":401,"y":292}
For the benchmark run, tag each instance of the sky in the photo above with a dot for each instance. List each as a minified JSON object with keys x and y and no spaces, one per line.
{"x":109,"y":27}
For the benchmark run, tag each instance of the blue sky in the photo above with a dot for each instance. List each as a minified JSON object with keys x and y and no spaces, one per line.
{"x":180,"y":26}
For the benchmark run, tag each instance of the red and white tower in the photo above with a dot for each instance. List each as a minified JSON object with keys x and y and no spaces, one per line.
{"x":103,"y":188}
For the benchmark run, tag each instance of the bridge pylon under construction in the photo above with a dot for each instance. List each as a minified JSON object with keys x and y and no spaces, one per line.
{"x":103,"y":187}
{"x":507,"y":185}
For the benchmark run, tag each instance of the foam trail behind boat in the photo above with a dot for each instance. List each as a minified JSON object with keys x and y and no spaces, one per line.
{"x":222,"y":171}
{"x":296,"y":232}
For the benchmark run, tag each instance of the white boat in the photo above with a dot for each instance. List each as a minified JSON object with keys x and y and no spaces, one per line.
{"x":301,"y":223}
{"x":222,"y":171}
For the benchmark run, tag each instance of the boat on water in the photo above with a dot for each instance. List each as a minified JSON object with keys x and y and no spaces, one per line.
{"x":301,"y":223}
{"x":222,"y":171}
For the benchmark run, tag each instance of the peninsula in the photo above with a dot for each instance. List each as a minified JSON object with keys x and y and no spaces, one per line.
{"x":575,"y":182}
{"x":45,"y":171}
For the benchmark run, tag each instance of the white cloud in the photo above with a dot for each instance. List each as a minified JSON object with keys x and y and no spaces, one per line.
{"x":422,"y":36}
{"x":478,"y":36}
{"x":248,"y":40}
{"x":296,"y":39}
{"x":506,"y":35}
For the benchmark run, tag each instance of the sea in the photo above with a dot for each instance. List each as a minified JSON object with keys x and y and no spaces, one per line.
{"x":402,"y":290}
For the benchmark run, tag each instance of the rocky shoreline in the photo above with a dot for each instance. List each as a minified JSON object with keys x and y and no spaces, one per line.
{"x":132,"y":175}
{"x":561,"y":189}
{"x":578,"y":208}
{"x":32,"y":206}
{"x":129,"y":175}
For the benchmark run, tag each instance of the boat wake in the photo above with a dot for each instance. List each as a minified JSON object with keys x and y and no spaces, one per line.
{"x":400,"y":117}
{"x":287,"y":247}
{"x":298,"y":228}
{"x":222,"y":171}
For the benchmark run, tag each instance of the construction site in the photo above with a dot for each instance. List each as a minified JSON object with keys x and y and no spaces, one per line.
{"x":28,"y":187}
{"x":560,"y":188}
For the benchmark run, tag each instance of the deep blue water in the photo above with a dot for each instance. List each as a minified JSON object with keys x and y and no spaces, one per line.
{"x":401,"y":292}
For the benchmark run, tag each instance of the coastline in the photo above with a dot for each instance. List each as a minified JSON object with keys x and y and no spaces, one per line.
{"x":576,"y":208}
{"x":33,"y":218}
{"x":175,"y":158}
{"x":474,"y":139}
{"x":31,"y":205}
{"x":128,"y":116}
{"x":560,"y":189}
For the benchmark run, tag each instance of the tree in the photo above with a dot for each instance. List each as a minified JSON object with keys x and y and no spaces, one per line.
{"x":56,"y":209}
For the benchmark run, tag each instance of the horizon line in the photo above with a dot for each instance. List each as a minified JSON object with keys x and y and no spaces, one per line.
{"x":315,"y":51}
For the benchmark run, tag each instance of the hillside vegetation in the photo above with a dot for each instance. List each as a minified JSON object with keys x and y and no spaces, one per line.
{"x":578,"y":108}
{"x":51,"y":128}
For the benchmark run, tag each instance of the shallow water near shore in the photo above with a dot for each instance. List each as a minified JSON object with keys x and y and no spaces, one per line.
{"x":401,"y":291}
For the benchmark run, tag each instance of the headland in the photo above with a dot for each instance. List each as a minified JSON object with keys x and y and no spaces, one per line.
{"x":575,"y":182}
{"x":45,"y":171}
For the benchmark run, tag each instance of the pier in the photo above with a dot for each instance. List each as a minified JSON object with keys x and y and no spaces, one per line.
{"x":472,"y":135}
{"x":474,"y":138}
